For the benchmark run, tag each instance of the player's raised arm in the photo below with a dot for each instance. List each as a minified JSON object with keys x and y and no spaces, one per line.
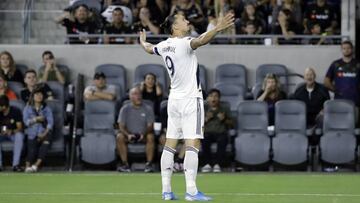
{"x":148,"y":47}
{"x":222,"y":24}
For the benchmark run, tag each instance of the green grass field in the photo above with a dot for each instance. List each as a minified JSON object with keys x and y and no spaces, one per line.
{"x":108,"y":187}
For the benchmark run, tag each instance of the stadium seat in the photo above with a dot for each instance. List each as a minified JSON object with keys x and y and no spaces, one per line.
{"x":158,"y":70}
{"x":290,"y":144}
{"x":252,"y":144}
{"x":234,"y":94}
{"x":99,"y":118}
{"x":231,"y":73}
{"x":116,"y":75}
{"x":58,"y":142}
{"x":277,"y":69}
{"x":338,"y":143}
{"x":18,"y":104}
{"x":256,"y":89}
{"x":22,"y":68}
{"x":98,"y":148}
{"x":58,"y":91}
{"x":16,"y":87}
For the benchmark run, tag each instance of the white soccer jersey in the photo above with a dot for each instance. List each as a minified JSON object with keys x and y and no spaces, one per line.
{"x":182,"y":65}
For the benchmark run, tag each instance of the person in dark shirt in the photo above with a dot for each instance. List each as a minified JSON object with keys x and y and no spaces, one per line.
{"x":151,"y":90}
{"x":117,"y":26}
{"x":287,"y":27}
{"x":146,"y":22}
{"x":11,"y":129}
{"x":343,"y":75}
{"x":318,"y":39}
{"x":8,"y":68}
{"x":217,"y":123}
{"x":192,"y":12}
{"x":79,"y":23}
{"x":250,"y":29}
{"x":31,"y":83}
{"x":323,"y":14}
{"x":271,"y":93}
{"x":314,"y":96}
{"x":250,"y":14}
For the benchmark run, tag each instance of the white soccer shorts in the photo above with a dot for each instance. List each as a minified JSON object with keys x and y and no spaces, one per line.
{"x":185,"y":118}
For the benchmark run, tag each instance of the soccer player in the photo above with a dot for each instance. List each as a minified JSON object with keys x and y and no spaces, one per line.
{"x":185,"y":104}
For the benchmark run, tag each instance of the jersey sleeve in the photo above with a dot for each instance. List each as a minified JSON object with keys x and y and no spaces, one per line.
{"x":331,"y":72}
{"x":188,"y":43}
{"x":157,"y":49}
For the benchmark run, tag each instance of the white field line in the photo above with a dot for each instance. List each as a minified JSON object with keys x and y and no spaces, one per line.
{"x":158,"y":194}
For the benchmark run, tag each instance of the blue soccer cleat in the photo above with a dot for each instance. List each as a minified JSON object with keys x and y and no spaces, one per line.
{"x":169,"y":196}
{"x":197,"y":197}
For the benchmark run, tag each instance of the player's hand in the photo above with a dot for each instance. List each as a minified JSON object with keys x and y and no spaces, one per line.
{"x":142,"y":36}
{"x":225,"y":22}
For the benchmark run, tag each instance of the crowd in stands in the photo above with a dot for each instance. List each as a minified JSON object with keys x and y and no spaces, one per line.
{"x":286,"y":18}
{"x":145,"y":105}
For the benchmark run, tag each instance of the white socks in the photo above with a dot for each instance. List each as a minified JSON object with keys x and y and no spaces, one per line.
{"x":167,"y":163}
{"x":191,"y":162}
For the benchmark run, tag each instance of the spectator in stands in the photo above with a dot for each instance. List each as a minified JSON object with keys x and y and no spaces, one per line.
{"x":5,"y":90}
{"x":50,"y":71}
{"x":293,"y":6}
{"x":264,"y":8}
{"x":8,"y":68}
{"x":343,"y":75}
{"x":271,"y":93}
{"x":323,"y":14}
{"x":117,"y":26}
{"x":249,"y":14}
{"x":159,"y":9}
{"x":213,"y":18}
{"x":287,"y":27}
{"x":100,"y":90}
{"x":318,"y":38}
{"x":38,"y":118}
{"x":127,"y":13}
{"x":217,"y":123}
{"x":31,"y":83}
{"x":250,"y":29}
{"x":136,"y":121}
{"x":192,"y":12}
{"x":146,"y":22}
{"x":78,"y":22}
{"x":11,"y":130}
{"x":151,"y":90}
{"x":314,"y":96}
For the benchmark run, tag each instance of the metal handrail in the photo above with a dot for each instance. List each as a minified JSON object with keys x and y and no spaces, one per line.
{"x":27,"y":21}
{"x":240,"y":36}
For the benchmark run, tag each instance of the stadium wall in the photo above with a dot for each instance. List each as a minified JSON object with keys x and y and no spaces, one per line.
{"x":84,"y":59}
